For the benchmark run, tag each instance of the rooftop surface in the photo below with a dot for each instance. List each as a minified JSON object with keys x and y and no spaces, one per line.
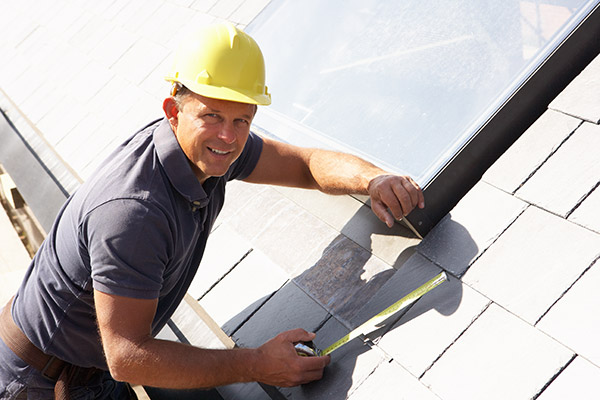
{"x":517,"y":318}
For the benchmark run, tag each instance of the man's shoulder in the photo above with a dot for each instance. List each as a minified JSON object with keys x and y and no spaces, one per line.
{"x":132,"y":171}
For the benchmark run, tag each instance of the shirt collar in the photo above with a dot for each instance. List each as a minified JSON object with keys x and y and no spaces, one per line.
{"x":177,"y":166}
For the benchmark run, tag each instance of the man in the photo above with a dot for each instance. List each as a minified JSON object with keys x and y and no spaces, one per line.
{"x":126,"y":245}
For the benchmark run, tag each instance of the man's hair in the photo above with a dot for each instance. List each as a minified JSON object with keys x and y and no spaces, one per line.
{"x":179,"y":93}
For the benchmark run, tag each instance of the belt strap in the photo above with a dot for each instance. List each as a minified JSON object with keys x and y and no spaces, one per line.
{"x":49,"y":366}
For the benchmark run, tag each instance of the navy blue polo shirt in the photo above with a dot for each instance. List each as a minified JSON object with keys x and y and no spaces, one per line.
{"x":136,"y":228}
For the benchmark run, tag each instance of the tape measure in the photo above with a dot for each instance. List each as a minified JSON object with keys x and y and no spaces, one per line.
{"x":308,"y":349}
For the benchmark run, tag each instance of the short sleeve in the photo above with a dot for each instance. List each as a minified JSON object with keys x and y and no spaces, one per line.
{"x":129,"y":245}
{"x":246,"y":162}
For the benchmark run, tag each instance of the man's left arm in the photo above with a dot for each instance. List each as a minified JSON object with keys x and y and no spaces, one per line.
{"x":337,"y":173}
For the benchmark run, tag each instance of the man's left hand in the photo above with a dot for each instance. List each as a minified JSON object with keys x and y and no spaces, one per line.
{"x":394,"y":196}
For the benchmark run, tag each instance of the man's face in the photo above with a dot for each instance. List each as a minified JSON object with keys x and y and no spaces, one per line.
{"x":211,"y":132}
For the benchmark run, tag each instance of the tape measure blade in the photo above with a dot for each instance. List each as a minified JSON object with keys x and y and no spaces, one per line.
{"x":404,"y":302}
{"x":370,"y":324}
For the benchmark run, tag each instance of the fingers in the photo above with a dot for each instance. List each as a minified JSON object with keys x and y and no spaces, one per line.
{"x":399,"y":194}
{"x":282,"y":366}
{"x":307,"y":369}
{"x":297,"y":335}
{"x":313,"y":368}
{"x":382,"y":213}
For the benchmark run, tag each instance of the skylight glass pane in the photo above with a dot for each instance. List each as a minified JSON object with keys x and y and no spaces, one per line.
{"x":405,"y":84}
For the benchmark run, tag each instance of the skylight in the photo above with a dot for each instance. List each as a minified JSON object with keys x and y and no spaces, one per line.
{"x":404,"y":84}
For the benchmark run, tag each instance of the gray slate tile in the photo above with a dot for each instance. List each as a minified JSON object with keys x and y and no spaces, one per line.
{"x":289,"y":308}
{"x":224,"y":250}
{"x":559,"y":189}
{"x":498,"y":357}
{"x":243,"y":290}
{"x":574,"y":320}
{"x":530,"y":151}
{"x":344,"y":278}
{"x":284,"y":231}
{"x":350,"y":365}
{"x":415,"y":272}
{"x":356,"y":221}
{"x":581,"y":97}
{"x":588,"y":213}
{"x":578,"y":381}
{"x":336,"y":211}
{"x":474,"y":223}
{"x":533,"y":263}
{"x":246,"y":391}
{"x":393,"y":245}
{"x":237,"y":196}
{"x":432,"y":325}
{"x":392,"y":382}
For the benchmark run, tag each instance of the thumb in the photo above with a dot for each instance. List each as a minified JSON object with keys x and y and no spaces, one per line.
{"x":298,"y":335}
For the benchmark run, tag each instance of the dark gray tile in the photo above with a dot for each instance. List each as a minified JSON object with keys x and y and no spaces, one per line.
{"x":289,"y":308}
{"x":344,"y":278}
{"x":350,"y":365}
{"x":245,"y":391}
{"x":415,"y":272}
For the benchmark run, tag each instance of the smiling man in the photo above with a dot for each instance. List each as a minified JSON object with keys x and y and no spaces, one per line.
{"x":126,"y":246}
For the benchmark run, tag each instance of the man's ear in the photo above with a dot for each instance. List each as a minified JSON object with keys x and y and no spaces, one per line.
{"x":171,"y":111}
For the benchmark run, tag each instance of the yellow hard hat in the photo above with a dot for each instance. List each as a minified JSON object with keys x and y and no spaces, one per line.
{"x":221,"y":62}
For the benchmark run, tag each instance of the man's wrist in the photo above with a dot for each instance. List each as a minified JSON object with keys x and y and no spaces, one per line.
{"x":249,"y":361}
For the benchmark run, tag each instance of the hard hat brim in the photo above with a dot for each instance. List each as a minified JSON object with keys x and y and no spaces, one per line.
{"x":225,"y":93}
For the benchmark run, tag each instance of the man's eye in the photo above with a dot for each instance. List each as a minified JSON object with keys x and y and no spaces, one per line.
{"x":212,"y":118}
{"x":242,"y":121}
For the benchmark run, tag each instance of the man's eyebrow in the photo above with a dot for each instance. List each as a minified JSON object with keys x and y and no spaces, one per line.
{"x":209,"y":109}
{"x":214,"y":110}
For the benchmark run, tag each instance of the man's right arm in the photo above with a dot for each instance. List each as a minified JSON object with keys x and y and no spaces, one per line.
{"x":134,"y":356}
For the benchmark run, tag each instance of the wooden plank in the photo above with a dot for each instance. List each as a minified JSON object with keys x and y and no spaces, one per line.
{"x":209,"y":322}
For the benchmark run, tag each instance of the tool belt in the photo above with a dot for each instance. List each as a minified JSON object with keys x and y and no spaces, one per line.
{"x":64,"y":373}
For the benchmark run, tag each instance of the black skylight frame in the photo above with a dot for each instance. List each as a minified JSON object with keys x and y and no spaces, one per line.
{"x":528,"y":102}
{"x":509,"y":122}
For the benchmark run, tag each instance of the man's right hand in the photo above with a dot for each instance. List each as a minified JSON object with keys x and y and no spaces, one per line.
{"x":280,"y":365}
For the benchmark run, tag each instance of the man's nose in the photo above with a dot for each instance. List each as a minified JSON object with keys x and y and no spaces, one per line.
{"x":227,"y":133}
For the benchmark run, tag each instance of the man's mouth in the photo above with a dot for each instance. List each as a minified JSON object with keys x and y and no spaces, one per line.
{"x":219,"y":152}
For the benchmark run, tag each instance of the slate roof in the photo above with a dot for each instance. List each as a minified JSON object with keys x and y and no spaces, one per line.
{"x":517,"y":318}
